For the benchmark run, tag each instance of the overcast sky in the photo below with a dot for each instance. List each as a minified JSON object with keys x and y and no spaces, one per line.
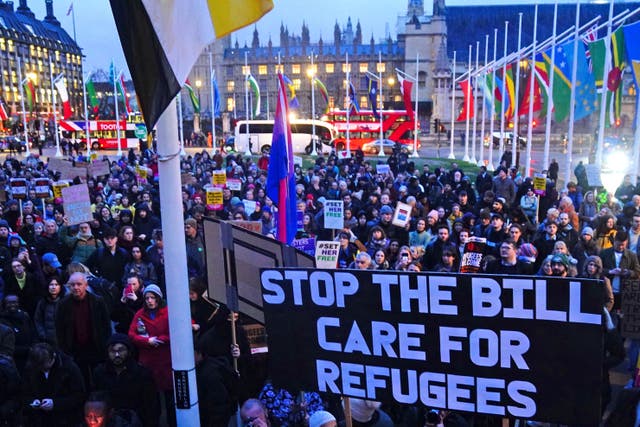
{"x":98,"y":37}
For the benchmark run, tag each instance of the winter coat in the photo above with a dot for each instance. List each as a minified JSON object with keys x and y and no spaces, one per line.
{"x":156,"y":359}
{"x":45,"y":320}
{"x":216,"y":391}
{"x":81,"y":248}
{"x":64,"y":385}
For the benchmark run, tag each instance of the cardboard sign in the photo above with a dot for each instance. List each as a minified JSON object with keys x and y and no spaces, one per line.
{"x":307,"y":245}
{"x":630,"y":305}
{"x":219,"y":178}
{"x":297,"y":160}
{"x":58,"y":165}
{"x":141,"y":172}
{"x":77,"y":204}
{"x":594,"y":177}
{"x":57,"y":189}
{"x":253,"y":226}
{"x":334,"y":214}
{"x":99,"y":168}
{"x":187,"y":179}
{"x":496,"y":345}
{"x":18,"y":188}
{"x":41,"y":185}
{"x":299,"y":220}
{"x":234,"y":184}
{"x":249,"y":206}
{"x":540,"y":184}
{"x":214,"y":198}
{"x":471,"y":261}
{"x":327,"y":254}
{"x":402,"y":215}
{"x":382,"y":169}
{"x":344,"y":154}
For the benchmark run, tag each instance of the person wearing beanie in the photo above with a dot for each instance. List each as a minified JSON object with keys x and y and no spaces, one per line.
{"x":367,"y":413}
{"x":130,"y":386}
{"x":149,"y":332}
{"x":322,"y":419}
{"x":195,"y":249}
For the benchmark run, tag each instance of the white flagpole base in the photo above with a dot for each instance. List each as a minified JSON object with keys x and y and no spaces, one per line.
{"x":490,"y":167}
{"x":451,"y":155}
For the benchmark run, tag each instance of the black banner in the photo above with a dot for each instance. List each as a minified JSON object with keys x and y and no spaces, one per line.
{"x":525,"y":347}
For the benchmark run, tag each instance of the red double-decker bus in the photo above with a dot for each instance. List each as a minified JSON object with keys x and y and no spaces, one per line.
{"x":364,"y":128}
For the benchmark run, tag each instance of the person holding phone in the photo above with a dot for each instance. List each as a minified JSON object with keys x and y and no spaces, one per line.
{"x":149,"y":332}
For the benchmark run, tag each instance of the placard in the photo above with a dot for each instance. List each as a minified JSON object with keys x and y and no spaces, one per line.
{"x":249,"y":206}
{"x":297,"y":160}
{"x":344,"y":154}
{"x":214,"y":198}
{"x":253,"y":226}
{"x":99,"y":168}
{"x":18,"y":188}
{"x":474,"y":249}
{"x":57,"y":189}
{"x":540,"y":184}
{"x":186,"y":179}
{"x":77,"y":204}
{"x":41,"y":186}
{"x":334,"y":214}
{"x":495,"y":345}
{"x":630,"y":306}
{"x":402,"y":215}
{"x":219,"y":178}
{"x":382,"y":169}
{"x":234,"y":184}
{"x":327,"y":254}
{"x":306,"y":245}
{"x":594,"y":177}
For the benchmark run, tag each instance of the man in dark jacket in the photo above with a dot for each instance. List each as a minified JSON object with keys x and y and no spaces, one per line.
{"x":19,"y":321}
{"x":130,"y":385}
{"x":195,"y":249}
{"x":433,"y":252}
{"x":109,"y":262}
{"x":620,"y":264}
{"x":83,"y":325}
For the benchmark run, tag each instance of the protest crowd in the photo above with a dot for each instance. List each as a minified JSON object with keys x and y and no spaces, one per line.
{"x":84,"y":336}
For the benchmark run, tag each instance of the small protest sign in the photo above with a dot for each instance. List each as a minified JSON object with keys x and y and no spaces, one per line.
{"x":41,"y":186}
{"x":18,"y":188}
{"x":471,"y":261}
{"x":77,"y":204}
{"x":540,"y":184}
{"x":249,"y":206}
{"x":327,"y":254}
{"x":306,"y":245}
{"x":488,"y":344}
{"x":219,"y":178}
{"x":57,"y":189}
{"x":234,"y":184}
{"x":382,"y":169}
{"x":630,"y":305}
{"x":186,"y":179}
{"x":253,"y":226}
{"x":214,"y":198}
{"x":594,"y":175}
{"x":402,"y":215}
{"x":297,"y":160}
{"x":344,"y":154}
{"x":333,"y":214}
{"x":99,"y":168}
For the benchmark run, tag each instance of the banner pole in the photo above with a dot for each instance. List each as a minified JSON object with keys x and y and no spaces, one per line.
{"x":234,"y":339}
{"x":347,"y":412}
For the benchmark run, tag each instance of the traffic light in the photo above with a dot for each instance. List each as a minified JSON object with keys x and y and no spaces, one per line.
{"x":436,"y":125}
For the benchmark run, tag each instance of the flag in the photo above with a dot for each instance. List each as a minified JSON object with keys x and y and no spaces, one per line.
{"x":405,"y":88}
{"x":120,"y":86}
{"x":64,"y":97}
{"x":323,"y":92}
{"x":510,"y":90}
{"x":590,"y":36}
{"x":611,"y":83}
{"x":487,"y":91}
{"x":561,"y":91}
{"x":70,"y":9}
{"x":631,"y":37}
{"x":93,"y":96}
{"x":497,"y":96}
{"x":467,"y":108}
{"x":353,"y":98}
{"x":293,"y":100}
{"x":253,"y":85}
{"x":216,"y":96}
{"x":537,"y":105}
{"x":195,"y":102}
{"x":586,"y":94}
{"x":372,"y":85}
{"x":281,"y":181}
{"x":162,"y":41}
{"x":3,"y":110}
{"x":29,"y":93}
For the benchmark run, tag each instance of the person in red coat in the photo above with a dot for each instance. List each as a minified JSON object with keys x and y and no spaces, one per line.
{"x":149,"y":331}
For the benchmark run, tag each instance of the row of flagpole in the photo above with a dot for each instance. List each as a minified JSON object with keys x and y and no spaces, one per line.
{"x":481,"y":72}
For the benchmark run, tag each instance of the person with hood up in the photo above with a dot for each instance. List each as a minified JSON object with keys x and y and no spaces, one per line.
{"x":82,"y":245}
{"x":145,"y":222}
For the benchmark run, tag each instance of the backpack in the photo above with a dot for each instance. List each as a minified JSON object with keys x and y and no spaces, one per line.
{"x":109,"y":292}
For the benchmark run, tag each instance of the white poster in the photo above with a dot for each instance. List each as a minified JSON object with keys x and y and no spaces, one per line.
{"x":327,"y":254}
{"x":333,"y":214}
{"x":402,"y":215}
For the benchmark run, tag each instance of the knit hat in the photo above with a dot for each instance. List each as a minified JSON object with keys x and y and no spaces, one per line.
{"x":363,"y":410}
{"x":561,"y":259}
{"x":386,"y":209}
{"x":433,"y":213}
{"x":587,"y":230}
{"x":4,"y":223}
{"x":322,"y":200}
{"x":118,"y":338}
{"x":527,"y":252}
{"x":235,"y":200}
{"x":191,"y":222}
{"x":501,"y":200}
{"x":154,"y":289}
{"x":319,"y":418}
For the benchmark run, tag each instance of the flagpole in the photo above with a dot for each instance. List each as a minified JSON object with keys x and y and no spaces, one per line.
{"x":182,"y":360}
{"x":516,"y":107}
{"x":415,"y":111}
{"x":349,"y":104}
{"x":54,"y":109}
{"x":86,"y":115}
{"x":73,"y":20}
{"x":504,"y":94}
{"x":532,"y":76}
{"x":314,"y":151}
{"x":180,"y":123}
{"x":467,"y":109}
{"x":213,"y":105}
{"x":24,"y":110}
{"x":572,"y":100}
{"x":603,"y":99}
{"x":381,"y":152}
{"x":453,"y":107}
{"x":246,"y":103}
{"x":551,"y":73}
{"x":484,"y":112}
{"x":115,"y":101}
{"x":475,"y":115}
{"x":493,"y":109}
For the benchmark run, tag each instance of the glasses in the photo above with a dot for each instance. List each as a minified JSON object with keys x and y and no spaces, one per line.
{"x":448,"y":255}
{"x":359,"y":261}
